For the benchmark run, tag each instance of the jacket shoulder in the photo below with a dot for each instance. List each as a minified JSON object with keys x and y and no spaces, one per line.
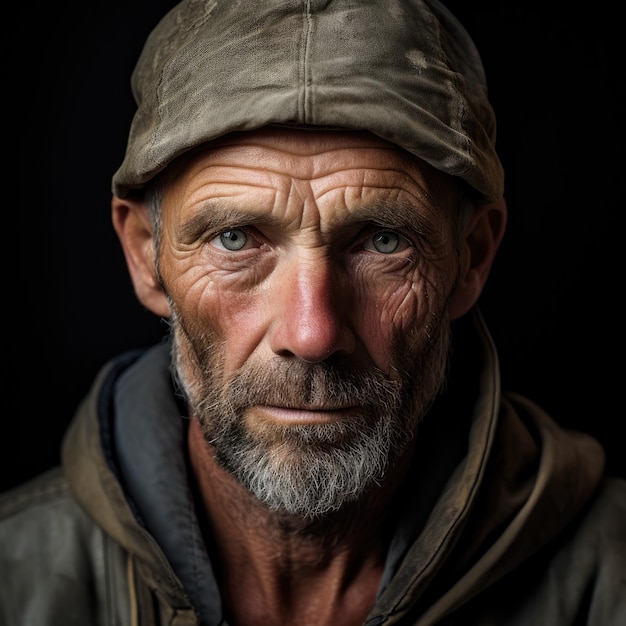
{"x":47,"y":487}
{"x":56,"y":565}
{"x":602,"y":530}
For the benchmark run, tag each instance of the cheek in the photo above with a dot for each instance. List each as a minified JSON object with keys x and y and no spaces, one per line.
{"x":385,"y":315}
{"x":394,"y":309}
{"x":211,"y":301}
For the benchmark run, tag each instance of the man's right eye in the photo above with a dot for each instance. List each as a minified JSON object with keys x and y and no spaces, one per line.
{"x":232,"y":239}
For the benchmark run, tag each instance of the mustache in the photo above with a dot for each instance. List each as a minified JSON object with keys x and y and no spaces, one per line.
{"x":301,"y":385}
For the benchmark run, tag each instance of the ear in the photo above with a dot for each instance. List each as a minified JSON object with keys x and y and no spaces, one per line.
{"x":483,"y":235}
{"x":131,"y":220}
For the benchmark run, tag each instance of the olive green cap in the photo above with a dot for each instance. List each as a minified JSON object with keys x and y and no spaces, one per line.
{"x":405,"y":70}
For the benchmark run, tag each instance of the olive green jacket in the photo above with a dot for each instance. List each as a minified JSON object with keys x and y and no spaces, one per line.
{"x":505,"y":518}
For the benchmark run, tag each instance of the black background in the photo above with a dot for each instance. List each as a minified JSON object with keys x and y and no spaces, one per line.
{"x":554,"y":300}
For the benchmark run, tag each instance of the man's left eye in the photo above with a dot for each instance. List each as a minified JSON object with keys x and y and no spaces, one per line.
{"x":385,"y":242}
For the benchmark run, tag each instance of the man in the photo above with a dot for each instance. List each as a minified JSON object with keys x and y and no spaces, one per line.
{"x":312,"y":198}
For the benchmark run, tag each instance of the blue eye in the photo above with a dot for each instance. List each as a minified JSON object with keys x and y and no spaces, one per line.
{"x":384,"y":241}
{"x":232,"y":239}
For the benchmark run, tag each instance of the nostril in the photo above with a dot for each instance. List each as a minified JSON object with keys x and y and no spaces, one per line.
{"x":311,"y":337}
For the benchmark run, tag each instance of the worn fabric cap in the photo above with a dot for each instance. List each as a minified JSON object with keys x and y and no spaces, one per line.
{"x":405,"y":70}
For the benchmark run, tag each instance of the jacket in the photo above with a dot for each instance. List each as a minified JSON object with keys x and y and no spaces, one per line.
{"x":506,"y":518}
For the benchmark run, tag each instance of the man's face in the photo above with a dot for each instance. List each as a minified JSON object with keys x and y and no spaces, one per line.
{"x":308,"y":275}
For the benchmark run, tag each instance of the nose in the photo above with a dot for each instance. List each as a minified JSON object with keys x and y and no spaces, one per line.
{"x":311,"y":312}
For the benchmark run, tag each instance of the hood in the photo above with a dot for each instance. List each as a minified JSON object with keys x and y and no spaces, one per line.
{"x":91,"y":465}
{"x":520,"y":480}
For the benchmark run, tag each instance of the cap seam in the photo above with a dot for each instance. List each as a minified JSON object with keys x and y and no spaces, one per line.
{"x":305,"y":110}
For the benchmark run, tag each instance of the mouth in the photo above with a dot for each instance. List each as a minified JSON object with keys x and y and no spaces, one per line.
{"x":303,"y":415}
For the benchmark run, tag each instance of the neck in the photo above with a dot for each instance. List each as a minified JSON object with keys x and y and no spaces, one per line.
{"x":329,"y":568}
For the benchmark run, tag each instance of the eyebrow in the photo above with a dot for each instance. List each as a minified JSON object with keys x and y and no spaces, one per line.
{"x":396,"y":215}
{"x":215,"y":216}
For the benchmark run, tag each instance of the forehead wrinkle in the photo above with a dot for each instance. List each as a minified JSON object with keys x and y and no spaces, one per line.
{"x":394,"y":178}
{"x":302,"y":161}
{"x":303,"y":205}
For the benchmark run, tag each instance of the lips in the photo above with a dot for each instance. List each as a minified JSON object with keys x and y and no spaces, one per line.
{"x":302,"y":415}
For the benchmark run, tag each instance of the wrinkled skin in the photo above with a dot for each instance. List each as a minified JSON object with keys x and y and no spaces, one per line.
{"x":278,"y":259}
{"x":317,"y":268}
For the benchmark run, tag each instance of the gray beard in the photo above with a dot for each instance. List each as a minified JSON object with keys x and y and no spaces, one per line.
{"x":309,"y":470}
